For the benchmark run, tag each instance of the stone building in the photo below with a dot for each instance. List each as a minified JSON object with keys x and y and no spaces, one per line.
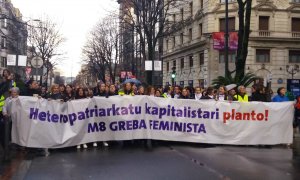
{"x":274,"y":45}
{"x":13,"y":33}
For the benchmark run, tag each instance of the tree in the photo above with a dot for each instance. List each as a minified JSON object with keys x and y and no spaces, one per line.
{"x":102,"y":49}
{"x":46,"y":40}
{"x":243,"y":34}
{"x":147,"y":20}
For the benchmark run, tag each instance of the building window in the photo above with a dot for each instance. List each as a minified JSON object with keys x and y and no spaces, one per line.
{"x":174,"y":64}
{"x":263,"y":55}
{"x":4,"y":23}
{"x":191,"y":8}
{"x":182,"y":14}
{"x":174,"y":18}
{"x":167,"y":44}
{"x":174,"y":41}
{"x":3,"y":62}
{"x":190,"y":34}
{"x":201,"y":59}
{"x":182,"y":63}
{"x":3,"y":42}
{"x":231,"y":56}
{"x":296,"y":24}
{"x":223,"y":1}
{"x":295,"y":1}
{"x":191,"y":59}
{"x":168,"y":67}
{"x":201,"y":4}
{"x":231,"y":24}
{"x":294,"y":56}
{"x":181,"y":38}
{"x":200,"y":30}
{"x":263,"y":23}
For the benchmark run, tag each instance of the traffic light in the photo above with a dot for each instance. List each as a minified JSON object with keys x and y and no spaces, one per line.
{"x":173,"y":75}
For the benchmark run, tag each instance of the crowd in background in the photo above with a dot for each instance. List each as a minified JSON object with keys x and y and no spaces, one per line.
{"x":11,"y":87}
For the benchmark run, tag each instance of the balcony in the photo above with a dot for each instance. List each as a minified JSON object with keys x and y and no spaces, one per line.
{"x":274,"y":35}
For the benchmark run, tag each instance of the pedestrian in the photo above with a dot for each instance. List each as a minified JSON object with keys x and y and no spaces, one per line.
{"x":62,"y":89}
{"x":157,"y":93}
{"x":242,"y":96}
{"x":141,"y":90}
{"x":231,"y":93}
{"x":127,"y":90}
{"x":112,"y":90}
{"x":198,"y":93}
{"x":184,"y":94}
{"x":177,"y":92}
{"x":259,"y":94}
{"x":55,"y":93}
{"x":44,"y":92}
{"x":32,"y":89}
{"x":69,"y":95}
{"x":151,"y":91}
{"x":80,"y":95}
{"x":168,"y":92}
{"x":280,"y":97}
{"x":100,"y":90}
{"x":208,"y":94}
{"x":297,"y":114}
{"x":222,"y":94}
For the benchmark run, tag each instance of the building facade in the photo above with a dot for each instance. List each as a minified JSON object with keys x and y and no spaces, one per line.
{"x":274,"y":44}
{"x":13,"y":33}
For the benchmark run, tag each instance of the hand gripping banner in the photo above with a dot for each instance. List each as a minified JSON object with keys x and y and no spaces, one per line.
{"x":53,"y":124}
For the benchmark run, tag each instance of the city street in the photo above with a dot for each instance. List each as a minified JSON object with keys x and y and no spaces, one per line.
{"x":165,"y":161}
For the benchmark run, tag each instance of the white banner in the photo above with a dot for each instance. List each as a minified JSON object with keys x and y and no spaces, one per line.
{"x":53,"y":124}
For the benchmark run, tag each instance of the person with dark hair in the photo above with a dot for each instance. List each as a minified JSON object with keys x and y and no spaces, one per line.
{"x":80,"y":95}
{"x":221,"y":94}
{"x":44,"y":92}
{"x":184,"y":94}
{"x":32,"y":88}
{"x":259,"y":94}
{"x":177,"y":92}
{"x":280,"y":97}
{"x":168,"y":92}
{"x":62,"y":89}
{"x":112,"y":90}
{"x":141,"y":90}
{"x":209,"y":93}
{"x":69,"y":95}
{"x":157,"y":93}
{"x":151,"y":91}
{"x":100,"y":90}
{"x":297,"y":114}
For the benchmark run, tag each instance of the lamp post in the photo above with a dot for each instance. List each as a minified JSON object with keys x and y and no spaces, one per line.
{"x":226,"y":39}
{"x":292,"y":69}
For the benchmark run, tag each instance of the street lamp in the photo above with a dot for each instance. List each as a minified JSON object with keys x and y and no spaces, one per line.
{"x":226,"y":39}
{"x":292,"y":69}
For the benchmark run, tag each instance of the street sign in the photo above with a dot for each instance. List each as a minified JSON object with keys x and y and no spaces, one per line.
{"x":36,"y":62}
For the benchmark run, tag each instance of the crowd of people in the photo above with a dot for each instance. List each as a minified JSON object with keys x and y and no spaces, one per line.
{"x":10,"y":88}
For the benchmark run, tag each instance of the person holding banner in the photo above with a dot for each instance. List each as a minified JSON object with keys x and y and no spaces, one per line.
{"x":242,"y":94}
{"x":280,"y":97}
{"x":69,"y":95}
{"x":141,"y":90}
{"x":127,"y":90}
{"x":297,"y":113}
{"x":222,"y":94}
{"x":151,"y":91}
{"x":80,"y":95}
{"x":55,"y":93}
{"x":32,"y":88}
{"x":198,"y":93}
{"x":184,"y":94}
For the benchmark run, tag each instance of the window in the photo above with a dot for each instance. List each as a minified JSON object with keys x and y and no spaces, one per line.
{"x":191,"y":8}
{"x":263,"y":23}
{"x":174,"y":41}
{"x":200,"y":30}
{"x":174,"y":18}
{"x":190,"y":34}
{"x":182,"y":63}
{"x":296,"y":24}
{"x":167,"y":44}
{"x":201,"y":4}
{"x":168,"y":67}
{"x":262,"y":55}
{"x":4,"y":23}
{"x":231,"y":57}
{"x":295,"y":1}
{"x":182,"y":14}
{"x":174,"y":64}
{"x":191,"y":58}
{"x":231,"y":24}
{"x":294,"y":56}
{"x":201,"y":59}
{"x":3,"y":42}
{"x":223,"y":1}
{"x":3,"y":62}
{"x":181,"y":38}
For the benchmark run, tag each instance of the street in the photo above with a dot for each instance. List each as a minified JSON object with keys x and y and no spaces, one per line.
{"x":164,"y":161}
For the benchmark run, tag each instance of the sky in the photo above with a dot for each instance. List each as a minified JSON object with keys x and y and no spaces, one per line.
{"x":75,"y":19}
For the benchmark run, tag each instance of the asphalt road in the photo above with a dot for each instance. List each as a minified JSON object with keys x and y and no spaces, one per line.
{"x":165,"y":161}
